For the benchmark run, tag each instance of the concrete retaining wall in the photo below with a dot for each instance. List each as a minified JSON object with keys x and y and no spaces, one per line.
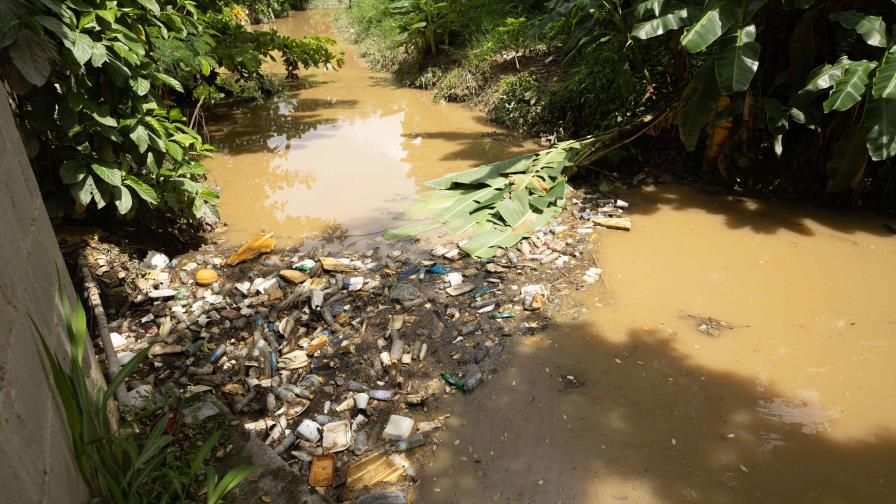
{"x":36,"y":459}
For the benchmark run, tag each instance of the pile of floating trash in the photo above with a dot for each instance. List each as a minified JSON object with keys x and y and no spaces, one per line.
{"x":332,"y":360}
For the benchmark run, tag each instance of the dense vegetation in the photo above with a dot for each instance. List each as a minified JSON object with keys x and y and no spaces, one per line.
{"x":108,"y":93}
{"x":798,"y":95}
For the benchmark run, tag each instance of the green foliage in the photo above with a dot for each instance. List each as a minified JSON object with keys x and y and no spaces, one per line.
{"x":127,"y":468}
{"x":423,"y":24}
{"x":97,"y":87}
{"x":456,"y":85}
{"x":728,"y":31}
{"x":501,"y":203}
{"x":520,"y":102}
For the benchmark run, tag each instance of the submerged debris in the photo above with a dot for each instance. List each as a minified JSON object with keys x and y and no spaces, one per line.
{"x":710,"y":326}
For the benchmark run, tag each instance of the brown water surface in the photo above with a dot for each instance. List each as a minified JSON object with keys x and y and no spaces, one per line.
{"x":796,"y":403}
{"x":341,"y":153}
{"x":793,"y":403}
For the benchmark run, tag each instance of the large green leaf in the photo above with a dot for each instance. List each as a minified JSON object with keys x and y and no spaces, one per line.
{"x":660,"y":25}
{"x":171,"y":81}
{"x":850,"y":87}
{"x":140,"y":85}
{"x":410,"y":230}
{"x":151,"y":5}
{"x":98,"y":55}
{"x":484,"y":245}
{"x":483,"y":173}
{"x":466,"y":202}
{"x":645,"y":6}
{"x":880,"y":119}
{"x":111,"y":176}
{"x":847,"y":165}
{"x":123,"y":200}
{"x":872,"y":28}
{"x":33,"y":55}
{"x":776,"y":122}
{"x":711,"y":25}
{"x":824,"y":76}
{"x":737,"y":61}
{"x":81,"y":46}
{"x":515,"y":209}
{"x":83,"y":191}
{"x":885,"y":78}
{"x":140,"y":137}
{"x":72,"y":171}
{"x":696,"y":112}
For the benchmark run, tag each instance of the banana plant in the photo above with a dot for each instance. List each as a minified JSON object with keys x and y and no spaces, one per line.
{"x":870,"y":85}
{"x":421,"y":23}
{"x":722,"y":29}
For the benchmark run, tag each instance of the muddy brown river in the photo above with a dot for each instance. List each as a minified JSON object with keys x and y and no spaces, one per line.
{"x":341,"y":154}
{"x":791,"y":400}
{"x":794,"y":402}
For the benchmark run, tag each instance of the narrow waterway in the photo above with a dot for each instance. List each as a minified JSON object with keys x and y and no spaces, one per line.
{"x":341,"y":153}
{"x":795,"y":402}
{"x":792,"y":399}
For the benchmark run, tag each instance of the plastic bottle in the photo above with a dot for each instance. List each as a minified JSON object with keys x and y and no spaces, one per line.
{"x":360,"y":443}
{"x":381,"y":395}
{"x":453,"y":380}
{"x":218,"y":353}
{"x":473,"y":380}
{"x":409,"y":443}
{"x":356,"y":386}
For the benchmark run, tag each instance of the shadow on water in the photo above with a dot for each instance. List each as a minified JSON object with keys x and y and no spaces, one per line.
{"x":652,"y":427}
{"x":762,"y":216}
{"x":241,"y":127}
{"x":480,"y":148}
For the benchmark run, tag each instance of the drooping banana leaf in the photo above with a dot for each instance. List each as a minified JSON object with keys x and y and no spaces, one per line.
{"x":504,"y":202}
{"x":484,"y":172}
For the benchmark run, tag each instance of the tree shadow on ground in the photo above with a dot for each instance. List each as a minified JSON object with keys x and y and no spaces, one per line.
{"x":652,"y":427}
{"x":759,"y":215}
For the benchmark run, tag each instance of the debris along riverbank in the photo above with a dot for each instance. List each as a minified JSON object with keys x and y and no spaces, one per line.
{"x":330,"y":359}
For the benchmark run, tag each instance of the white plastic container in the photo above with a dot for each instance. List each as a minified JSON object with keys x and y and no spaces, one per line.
{"x":454,"y":279}
{"x":310,"y":430}
{"x":337,"y":436}
{"x":361,"y":400}
{"x":398,"y":428}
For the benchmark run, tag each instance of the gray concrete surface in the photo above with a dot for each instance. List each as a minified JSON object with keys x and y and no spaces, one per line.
{"x":36,"y":457}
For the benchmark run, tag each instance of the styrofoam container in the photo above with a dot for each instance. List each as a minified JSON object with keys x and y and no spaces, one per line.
{"x":337,"y":436}
{"x":398,"y":428}
{"x":310,"y":430}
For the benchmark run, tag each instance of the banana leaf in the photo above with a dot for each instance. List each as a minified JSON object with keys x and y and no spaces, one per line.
{"x":501,"y":203}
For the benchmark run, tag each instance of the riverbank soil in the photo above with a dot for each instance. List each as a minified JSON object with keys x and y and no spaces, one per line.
{"x":790,"y":401}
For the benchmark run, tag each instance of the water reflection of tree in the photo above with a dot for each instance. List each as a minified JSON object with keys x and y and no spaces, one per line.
{"x":241,"y":126}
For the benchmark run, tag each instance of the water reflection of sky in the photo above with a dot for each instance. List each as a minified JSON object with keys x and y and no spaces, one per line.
{"x":351,"y":171}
